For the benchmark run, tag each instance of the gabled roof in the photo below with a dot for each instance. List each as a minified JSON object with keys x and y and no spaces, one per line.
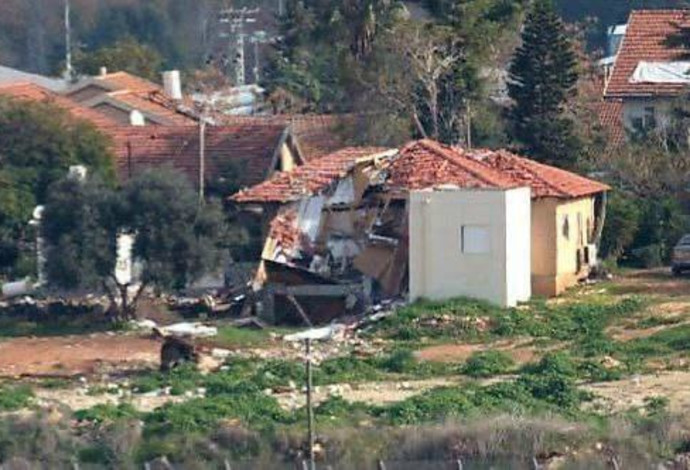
{"x":118,"y":81}
{"x":253,"y":149}
{"x":33,"y":92}
{"x":318,"y":134}
{"x":309,"y":179}
{"x":544,"y":180}
{"x":646,"y":40}
{"x":426,"y":163}
{"x":155,"y":109}
{"x":9,"y":75}
{"x":128,"y":92}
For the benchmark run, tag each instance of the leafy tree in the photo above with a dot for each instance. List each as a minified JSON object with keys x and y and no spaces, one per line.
{"x":38,"y":144}
{"x":543,"y":76}
{"x":176,"y":239}
{"x":125,"y":55}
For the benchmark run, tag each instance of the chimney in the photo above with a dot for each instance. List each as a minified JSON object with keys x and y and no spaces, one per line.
{"x":172,"y":84}
{"x":103,"y":71}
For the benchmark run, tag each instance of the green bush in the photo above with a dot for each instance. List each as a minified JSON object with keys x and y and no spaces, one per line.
{"x":107,"y":413}
{"x":487,"y":364}
{"x":553,"y":380}
{"x":15,"y":398}
{"x":650,"y":256}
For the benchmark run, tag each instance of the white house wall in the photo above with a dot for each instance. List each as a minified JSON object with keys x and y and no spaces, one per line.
{"x":439,"y":269}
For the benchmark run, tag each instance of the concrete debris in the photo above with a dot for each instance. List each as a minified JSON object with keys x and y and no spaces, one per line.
{"x":191,"y":330}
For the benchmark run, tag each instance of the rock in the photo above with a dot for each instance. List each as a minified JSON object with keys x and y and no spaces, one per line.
{"x":160,"y":463}
{"x":610,"y":363}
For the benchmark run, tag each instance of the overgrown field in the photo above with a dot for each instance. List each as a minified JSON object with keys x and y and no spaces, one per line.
{"x":499,"y":404}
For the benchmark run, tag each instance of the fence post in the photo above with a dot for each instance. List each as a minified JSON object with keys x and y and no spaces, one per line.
{"x":382,"y":466}
{"x":459,"y":462}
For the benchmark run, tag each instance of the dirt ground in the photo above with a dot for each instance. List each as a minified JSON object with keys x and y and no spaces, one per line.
{"x":653,"y":282}
{"x":520,"y":351}
{"x":624,"y":394}
{"x":68,"y":356}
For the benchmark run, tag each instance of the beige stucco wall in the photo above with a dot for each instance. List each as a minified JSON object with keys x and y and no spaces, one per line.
{"x":439,"y":269}
{"x":287,"y":159}
{"x":555,"y":249}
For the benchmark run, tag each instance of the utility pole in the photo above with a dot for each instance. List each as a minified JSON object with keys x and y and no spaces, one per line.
{"x":68,"y":41}
{"x":310,"y":407}
{"x":236,"y":18}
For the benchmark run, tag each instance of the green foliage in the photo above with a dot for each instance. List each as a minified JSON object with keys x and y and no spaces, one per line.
{"x":13,"y":398}
{"x":543,"y":75}
{"x":126,"y":55}
{"x":622,"y":224}
{"x":107,"y":413}
{"x":487,"y":364}
{"x":177,"y":239}
{"x":553,"y":380}
{"x":38,"y":143}
{"x":201,"y":414}
{"x":468,"y":319}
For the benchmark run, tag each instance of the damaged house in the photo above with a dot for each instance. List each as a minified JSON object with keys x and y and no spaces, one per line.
{"x":365,"y":224}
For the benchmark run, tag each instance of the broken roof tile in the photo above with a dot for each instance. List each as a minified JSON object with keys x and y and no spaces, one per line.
{"x":309,"y":179}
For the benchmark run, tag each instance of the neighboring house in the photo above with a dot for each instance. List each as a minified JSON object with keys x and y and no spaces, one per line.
{"x":9,"y":75}
{"x":318,"y":134}
{"x":33,"y":92}
{"x":646,"y":74}
{"x":345,"y":216}
{"x":235,"y":156}
{"x":129,"y":99}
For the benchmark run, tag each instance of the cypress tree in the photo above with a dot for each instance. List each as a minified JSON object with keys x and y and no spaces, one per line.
{"x":543,"y":75}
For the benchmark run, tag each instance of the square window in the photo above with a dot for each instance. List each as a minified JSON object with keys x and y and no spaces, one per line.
{"x":475,"y":239}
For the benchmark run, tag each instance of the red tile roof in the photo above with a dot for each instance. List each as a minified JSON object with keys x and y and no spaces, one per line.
{"x":252,"y":148}
{"x":33,"y":92}
{"x":311,"y":178}
{"x":611,"y":118}
{"x":544,"y":180}
{"x":317,"y":134}
{"x":645,"y":40}
{"x":127,"y":81}
{"x":152,"y":103}
{"x":426,"y":163}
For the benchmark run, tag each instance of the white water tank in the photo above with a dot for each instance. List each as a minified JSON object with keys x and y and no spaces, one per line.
{"x":172,"y":84}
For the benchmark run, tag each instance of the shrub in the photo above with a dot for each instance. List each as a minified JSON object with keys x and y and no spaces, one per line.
{"x":15,"y":398}
{"x":107,"y":413}
{"x":487,"y":363}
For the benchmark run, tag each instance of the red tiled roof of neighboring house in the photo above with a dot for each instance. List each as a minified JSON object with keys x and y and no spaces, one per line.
{"x":646,"y":40}
{"x":151,"y":103}
{"x":253,"y":149}
{"x":317,"y":134}
{"x":33,"y":92}
{"x":611,"y":118}
{"x":425,"y":163}
{"x":544,"y":180}
{"x":128,"y":81}
{"x":308,"y":179}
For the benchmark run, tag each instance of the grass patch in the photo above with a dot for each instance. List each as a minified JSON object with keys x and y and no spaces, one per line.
{"x":472,"y":320}
{"x":13,"y":398}
{"x":487,"y":363}
{"x":107,"y":413}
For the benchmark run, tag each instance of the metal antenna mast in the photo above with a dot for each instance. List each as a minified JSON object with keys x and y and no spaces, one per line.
{"x":68,"y":41}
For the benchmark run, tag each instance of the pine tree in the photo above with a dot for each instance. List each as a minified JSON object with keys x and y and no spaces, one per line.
{"x":543,"y":76}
